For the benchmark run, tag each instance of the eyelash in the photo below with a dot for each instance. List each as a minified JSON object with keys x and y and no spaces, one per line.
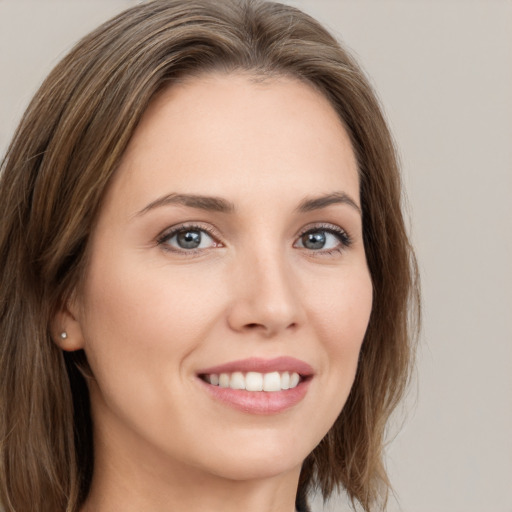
{"x":342,"y":236}
{"x":169,"y":234}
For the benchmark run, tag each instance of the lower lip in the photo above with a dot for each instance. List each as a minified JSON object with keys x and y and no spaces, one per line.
{"x":258,"y":402}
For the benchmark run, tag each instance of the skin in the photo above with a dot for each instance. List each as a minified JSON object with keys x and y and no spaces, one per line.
{"x":151,"y":314}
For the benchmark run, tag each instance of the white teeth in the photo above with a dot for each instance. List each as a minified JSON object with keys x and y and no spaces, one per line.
{"x":294,"y":379}
{"x":272,"y":382}
{"x":224,"y":380}
{"x":237,"y":381}
{"x":255,"y":381}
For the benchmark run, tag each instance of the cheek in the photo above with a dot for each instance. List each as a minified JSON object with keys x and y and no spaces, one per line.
{"x":344,"y":310}
{"x":157,"y":315}
{"x":140,"y":337}
{"x":342,"y":319}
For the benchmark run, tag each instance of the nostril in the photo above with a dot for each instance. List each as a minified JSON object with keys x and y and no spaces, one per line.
{"x":267,"y":330}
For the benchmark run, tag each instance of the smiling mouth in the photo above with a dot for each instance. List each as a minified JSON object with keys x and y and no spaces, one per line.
{"x":257,"y":385}
{"x":254,"y":381}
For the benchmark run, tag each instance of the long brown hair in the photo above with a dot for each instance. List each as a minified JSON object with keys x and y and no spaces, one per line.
{"x":55,"y":173}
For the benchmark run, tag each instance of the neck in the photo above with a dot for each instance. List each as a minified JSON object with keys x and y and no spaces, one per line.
{"x":192,"y":495}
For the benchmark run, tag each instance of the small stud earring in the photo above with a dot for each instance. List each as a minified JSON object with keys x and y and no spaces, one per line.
{"x":64,"y":335}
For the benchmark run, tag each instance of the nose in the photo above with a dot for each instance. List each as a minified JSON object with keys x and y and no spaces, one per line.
{"x":266,"y":297}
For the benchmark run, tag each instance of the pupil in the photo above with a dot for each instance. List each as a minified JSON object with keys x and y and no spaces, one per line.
{"x":189,"y":239}
{"x":314,"y":240}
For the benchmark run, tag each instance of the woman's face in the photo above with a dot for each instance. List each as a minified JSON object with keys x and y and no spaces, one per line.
{"x":228,"y":253}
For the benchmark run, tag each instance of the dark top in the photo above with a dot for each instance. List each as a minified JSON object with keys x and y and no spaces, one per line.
{"x":301,"y":504}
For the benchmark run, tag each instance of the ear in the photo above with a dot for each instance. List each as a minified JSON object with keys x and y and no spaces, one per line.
{"x":66,"y":329}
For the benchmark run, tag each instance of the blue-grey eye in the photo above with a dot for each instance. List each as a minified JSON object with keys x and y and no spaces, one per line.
{"x":320,"y":239}
{"x":315,"y":240}
{"x":189,"y":239}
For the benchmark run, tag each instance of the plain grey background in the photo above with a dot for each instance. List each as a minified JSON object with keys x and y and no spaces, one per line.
{"x":443,"y":70}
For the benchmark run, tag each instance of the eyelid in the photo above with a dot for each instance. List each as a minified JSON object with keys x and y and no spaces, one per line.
{"x":325,"y":226}
{"x":343,"y":235}
{"x":171,"y":231}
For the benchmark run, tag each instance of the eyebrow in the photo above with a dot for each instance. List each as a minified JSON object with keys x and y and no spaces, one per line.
{"x":215,"y":204}
{"x":218,"y":204}
{"x":317,"y":203}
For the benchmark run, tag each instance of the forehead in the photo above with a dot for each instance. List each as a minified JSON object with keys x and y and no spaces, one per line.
{"x":223,"y":134}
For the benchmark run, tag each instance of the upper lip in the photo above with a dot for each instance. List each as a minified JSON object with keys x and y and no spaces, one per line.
{"x":261,"y":365}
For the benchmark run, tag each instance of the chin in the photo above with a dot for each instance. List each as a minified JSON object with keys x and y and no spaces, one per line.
{"x":247,"y":467}
{"x":264,"y":456}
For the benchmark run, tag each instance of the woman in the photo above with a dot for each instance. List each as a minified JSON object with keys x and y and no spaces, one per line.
{"x":205,"y":272}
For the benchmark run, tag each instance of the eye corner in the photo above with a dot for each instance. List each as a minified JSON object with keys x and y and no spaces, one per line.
{"x":189,"y":239}
{"x":325,"y":239}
